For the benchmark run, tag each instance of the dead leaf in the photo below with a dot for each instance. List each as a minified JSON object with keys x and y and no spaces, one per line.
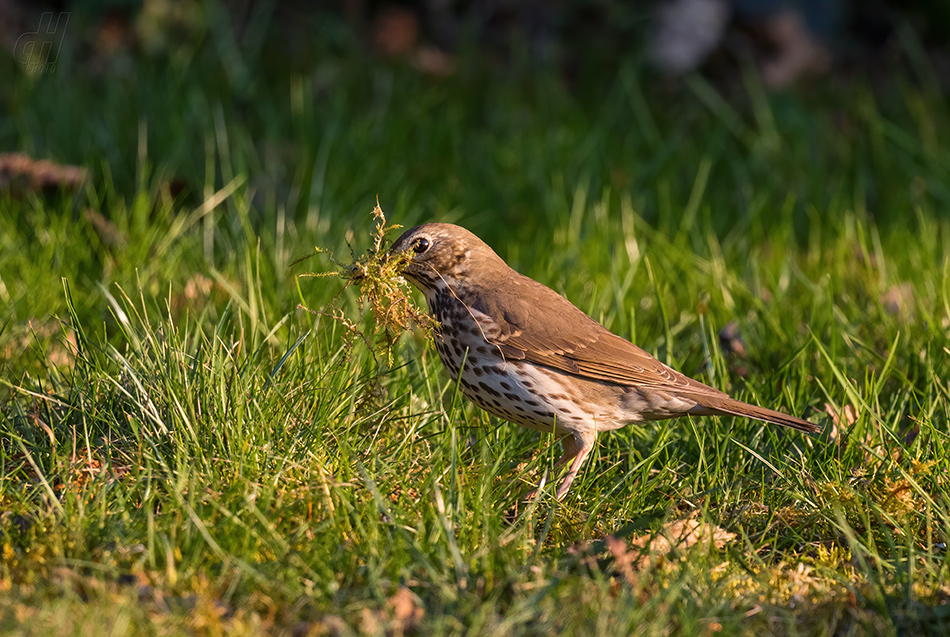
{"x":395,"y":32}
{"x":405,"y":611}
{"x":677,"y":536}
{"x":333,"y":625}
{"x":733,"y":346}
{"x":433,"y":61}
{"x":402,"y":614}
{"x":198,"y":286}
{"x":60,"y":352}
{"x":848,"y":416}
{"x":624,"y":560}
{"x":370,"y":622}
{"x":899,"y":300}
{"x":21,"y":173}
{"x":115,"y":35}
{"x":730,"y":340}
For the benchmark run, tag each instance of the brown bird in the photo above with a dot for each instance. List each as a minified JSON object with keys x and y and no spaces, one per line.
{"x":521,"y":351}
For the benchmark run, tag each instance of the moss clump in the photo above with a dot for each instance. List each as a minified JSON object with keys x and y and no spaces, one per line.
{"x":383,"y":293}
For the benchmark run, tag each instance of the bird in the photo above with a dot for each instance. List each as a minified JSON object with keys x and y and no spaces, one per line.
{"x":522,"y":352}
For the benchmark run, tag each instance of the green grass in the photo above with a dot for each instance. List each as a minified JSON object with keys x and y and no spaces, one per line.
{"x":183,"y":450}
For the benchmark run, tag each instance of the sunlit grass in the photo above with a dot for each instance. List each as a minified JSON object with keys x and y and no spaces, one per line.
{"x":184,"y":449}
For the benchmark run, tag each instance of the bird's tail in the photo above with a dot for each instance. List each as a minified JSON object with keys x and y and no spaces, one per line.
{"x":728,"y":406}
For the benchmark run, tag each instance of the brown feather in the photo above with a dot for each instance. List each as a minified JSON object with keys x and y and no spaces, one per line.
{"x":553,"y":332}
{"x":732,"y":407}
{"x":568,"y":340}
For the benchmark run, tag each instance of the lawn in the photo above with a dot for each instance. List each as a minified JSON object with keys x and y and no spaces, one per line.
{"x":186,"y":449}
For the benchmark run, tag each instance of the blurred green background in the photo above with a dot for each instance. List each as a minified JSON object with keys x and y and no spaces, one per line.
{"x":498,"y":121}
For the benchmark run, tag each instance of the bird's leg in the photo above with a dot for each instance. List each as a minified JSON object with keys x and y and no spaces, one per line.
{"x":576,"y":448}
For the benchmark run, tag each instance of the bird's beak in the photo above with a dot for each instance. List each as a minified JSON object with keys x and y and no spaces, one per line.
{"x":400,"y":254}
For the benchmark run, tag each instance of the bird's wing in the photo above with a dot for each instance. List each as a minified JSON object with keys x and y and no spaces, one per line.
{"x":533,"y":323}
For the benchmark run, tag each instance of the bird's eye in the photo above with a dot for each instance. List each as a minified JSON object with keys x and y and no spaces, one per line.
{"x":420,"y":245}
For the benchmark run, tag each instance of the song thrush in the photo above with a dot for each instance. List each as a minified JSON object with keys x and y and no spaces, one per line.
{"x":523,"y":352}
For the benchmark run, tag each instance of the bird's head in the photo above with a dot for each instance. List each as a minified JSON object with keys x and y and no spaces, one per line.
{"x":443,"y":254}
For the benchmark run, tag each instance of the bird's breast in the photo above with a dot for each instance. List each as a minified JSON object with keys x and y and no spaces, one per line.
{"x":518,"y":391}
{"x":458,"y":334}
